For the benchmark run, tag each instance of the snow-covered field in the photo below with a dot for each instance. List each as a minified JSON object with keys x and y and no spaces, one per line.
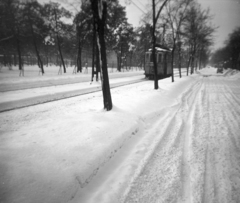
{"x":10,"y":80}
{"x":180,"y":143}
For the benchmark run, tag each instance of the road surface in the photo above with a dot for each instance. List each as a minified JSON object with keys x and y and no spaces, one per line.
{"x":198,"y":157}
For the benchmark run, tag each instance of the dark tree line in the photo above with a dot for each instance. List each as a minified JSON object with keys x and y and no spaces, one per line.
{"x":27,"y":28}
{"x":229,"y":55}
{"x":49,"y":35}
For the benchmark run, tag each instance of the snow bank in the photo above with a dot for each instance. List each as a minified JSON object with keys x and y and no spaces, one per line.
{"x":233,"y":74}
{"x":230,"y":73}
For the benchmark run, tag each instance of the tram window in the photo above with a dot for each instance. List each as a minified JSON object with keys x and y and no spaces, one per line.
{"x":151,"y":57}
{"x":146,"y":57}
{"x":160,"y":58}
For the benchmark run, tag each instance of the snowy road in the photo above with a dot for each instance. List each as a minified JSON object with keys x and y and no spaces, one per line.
{"x":198,"y":157}
{"x":180,"y":143}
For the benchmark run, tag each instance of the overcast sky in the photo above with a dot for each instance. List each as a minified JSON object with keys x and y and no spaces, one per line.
{"x":226,"y":15}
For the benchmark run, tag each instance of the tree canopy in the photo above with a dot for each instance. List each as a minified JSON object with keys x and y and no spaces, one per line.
{"x":229,"y":55}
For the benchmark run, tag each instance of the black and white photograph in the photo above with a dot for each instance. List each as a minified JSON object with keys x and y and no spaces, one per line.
{"x":119,"y":101}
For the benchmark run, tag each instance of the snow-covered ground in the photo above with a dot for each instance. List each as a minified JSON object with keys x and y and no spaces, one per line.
{"x":21,"y":98}
{"x":180,"y":143}
{"x":10,"y":80}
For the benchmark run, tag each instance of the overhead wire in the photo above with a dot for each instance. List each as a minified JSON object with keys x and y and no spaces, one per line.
{"x":137,"y":6}
{"x":140,"y":3}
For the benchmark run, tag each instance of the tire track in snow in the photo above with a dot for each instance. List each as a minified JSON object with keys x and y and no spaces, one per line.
{"x":219,"y":141}
{"x":209,"y":183}
{"x":190,"y":107}
{"x":167,"y":171}
{"x":197,"y":159}
{"x":234,"y":116}
{"x":197,"y":150}
{"x":221,"y":158}
{"x":140,"y":188}
{"x":232,"y":143}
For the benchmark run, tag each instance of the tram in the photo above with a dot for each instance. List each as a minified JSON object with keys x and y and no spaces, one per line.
{"x":163,"y":58}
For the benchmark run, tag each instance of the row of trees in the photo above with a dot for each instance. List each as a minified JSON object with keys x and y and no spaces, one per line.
{"x":186,"y":29}
{"x":33,"y":29}
{"x":229,"y":55}
{"x":30,"y":27}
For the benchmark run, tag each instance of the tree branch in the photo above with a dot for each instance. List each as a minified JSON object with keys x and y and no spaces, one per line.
{"x":7,"y":38}
{"x":159,"y":11}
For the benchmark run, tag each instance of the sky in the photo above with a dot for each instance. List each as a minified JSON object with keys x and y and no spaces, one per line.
{"x":226,"y":15}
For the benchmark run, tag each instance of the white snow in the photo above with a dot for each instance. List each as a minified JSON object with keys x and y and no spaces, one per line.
{"x":143,"y":150}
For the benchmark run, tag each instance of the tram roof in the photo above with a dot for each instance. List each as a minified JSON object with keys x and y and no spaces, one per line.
{"x":160,"y":48}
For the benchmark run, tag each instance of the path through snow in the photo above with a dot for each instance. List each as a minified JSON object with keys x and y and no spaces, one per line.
{"x":198,"y":157}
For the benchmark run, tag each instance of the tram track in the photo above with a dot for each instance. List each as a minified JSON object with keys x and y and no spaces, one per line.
{"x":22,"y":102}
{"x":49,"y":97}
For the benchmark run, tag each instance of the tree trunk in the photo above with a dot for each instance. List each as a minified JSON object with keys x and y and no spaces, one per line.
{"x":121,"y":58}
{"x":93,"y":49}
{"x":40,"y":64}
{"x":144,"y":57}
{"x":20,"y":62}
{"x":46,"y":54}
{"x":99,"y":13}
{"x":200,"y":59}
{"x":60,"y":53}
{"x":188,"y":65}
{"x":172,"y":61}
{"x":79,"y":57}
{"x":189,"y":59}
{"x":180,"y":62}
{"x":130,"y":65}
{"x":193,"y":58}
{"x":15,"y":60}
{"x":153,"y":48}
{"x":119,"y":62}
{"x":97,"y":62}
{"x":58,"y":43}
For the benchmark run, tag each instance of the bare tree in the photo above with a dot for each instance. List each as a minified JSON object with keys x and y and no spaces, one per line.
{"x":155,"y":19}
{"x":32,"y":11}
{"x":58,"y":27}
{"x":176,"y":14}
{"x":198,"y":32}
{"x":12,"y":23}
{"x":83,"y":22}
{"x":99,"y":9}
